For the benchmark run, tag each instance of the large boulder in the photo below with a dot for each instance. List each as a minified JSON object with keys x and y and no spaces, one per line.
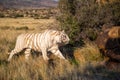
{"x":108,"y":42}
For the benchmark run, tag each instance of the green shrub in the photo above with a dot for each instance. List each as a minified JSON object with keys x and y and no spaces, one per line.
{"x":91,"y":34}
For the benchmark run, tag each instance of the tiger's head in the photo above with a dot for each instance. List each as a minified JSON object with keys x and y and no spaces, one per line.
{"x":61,"y":38}
{"x":64,"y":37}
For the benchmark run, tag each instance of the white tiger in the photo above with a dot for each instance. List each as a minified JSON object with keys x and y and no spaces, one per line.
{"x":49,"y":40}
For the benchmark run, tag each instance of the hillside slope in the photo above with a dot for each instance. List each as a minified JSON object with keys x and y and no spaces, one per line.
{"x":19,"y":4}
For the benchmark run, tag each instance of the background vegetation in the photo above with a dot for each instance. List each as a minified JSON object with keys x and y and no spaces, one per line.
{"x":86,"y":16}
{"x":29,"y":13}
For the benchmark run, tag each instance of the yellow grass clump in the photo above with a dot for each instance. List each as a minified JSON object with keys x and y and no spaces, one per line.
{"x":88,"y":54}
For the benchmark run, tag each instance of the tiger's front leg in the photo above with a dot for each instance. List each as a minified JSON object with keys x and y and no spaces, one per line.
{"x":58,"y":53}
{"x":44,"y":54}
{"x":27,"y":53}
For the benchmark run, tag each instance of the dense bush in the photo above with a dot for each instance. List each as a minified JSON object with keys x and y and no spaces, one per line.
{"x":16,"y":15}
{"x":77,"y":16}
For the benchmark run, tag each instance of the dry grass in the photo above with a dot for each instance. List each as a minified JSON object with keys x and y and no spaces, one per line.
{"x":37,"y":24}
{"x":89,"y":53}
{"x":36,"y":68}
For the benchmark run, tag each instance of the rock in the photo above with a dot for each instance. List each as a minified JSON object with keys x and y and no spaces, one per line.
{"x":108,"y":42}
{"x":114,"y":32}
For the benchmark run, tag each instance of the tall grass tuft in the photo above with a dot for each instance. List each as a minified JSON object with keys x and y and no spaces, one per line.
{"x":88,"y":54}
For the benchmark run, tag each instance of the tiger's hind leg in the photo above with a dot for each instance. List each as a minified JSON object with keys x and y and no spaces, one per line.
{"x":44,"y":54}
{"x":13,"y":52}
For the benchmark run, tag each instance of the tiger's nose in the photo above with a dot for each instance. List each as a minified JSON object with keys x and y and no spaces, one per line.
{"x":67,"y":41}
